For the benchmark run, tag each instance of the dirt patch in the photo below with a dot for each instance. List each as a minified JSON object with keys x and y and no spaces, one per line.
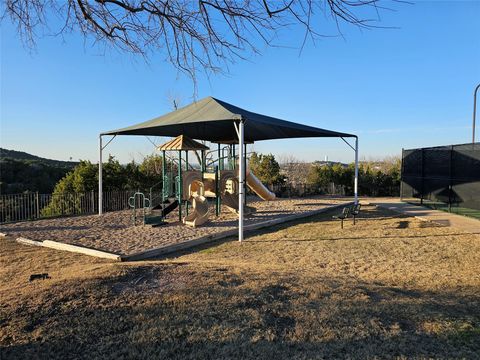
{"x":114,"y":231}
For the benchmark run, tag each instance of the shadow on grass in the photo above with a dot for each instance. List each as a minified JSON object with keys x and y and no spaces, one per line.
{"x":214,"y":315}
{"x":370,"y":213}
{"x":359,"y":238}
{"x":403,"y":224}
{"x":327,"y":216}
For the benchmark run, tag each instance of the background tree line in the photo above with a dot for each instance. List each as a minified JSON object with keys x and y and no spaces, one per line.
{"x":376,"y":178}
{"x":116,"y":177}
{"x":372,"y":180}
{"x":22,"y":172}
{"x":67,"y":187}
{"x":75,"y":190}
{"x":73,"y":193}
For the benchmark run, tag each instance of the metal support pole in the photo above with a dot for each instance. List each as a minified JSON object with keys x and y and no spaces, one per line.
{"x":100,"y":184}
{"x":245,"y":175}
{"x":474,"y":111}
{"x":165,"y":192}
{"x":241,"y":180}
{"x":401,"y":175}
{"x":186,"y":169}
{"x":180,"y":185}
{"x":355,"y":185}
{"x":218,"y":191}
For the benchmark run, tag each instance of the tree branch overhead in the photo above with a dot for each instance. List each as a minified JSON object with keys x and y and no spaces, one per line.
{"x":192,"y":35}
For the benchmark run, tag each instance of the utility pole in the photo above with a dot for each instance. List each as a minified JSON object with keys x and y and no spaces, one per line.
{"x":474,"y":111}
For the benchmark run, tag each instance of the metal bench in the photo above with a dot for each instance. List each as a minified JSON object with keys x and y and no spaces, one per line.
{"x":344,"y":214}
{"x":355,"y":210}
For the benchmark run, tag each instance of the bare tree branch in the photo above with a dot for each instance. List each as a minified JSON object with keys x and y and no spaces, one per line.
{"x":192,"y":35}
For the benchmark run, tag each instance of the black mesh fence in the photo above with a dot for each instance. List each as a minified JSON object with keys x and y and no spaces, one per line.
{"x":443,"y":177}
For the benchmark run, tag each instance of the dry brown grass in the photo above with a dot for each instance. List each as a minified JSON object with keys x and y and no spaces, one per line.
{"x":390,"y":287}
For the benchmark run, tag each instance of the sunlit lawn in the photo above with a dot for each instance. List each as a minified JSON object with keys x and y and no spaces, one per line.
{"x":388,"y":287}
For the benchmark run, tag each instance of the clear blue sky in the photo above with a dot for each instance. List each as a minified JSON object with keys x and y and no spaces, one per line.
{"x":406,"y":87}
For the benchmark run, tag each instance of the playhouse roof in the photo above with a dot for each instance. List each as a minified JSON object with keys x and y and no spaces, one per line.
{"x":212,"y":120}
{"x":182,"y":142}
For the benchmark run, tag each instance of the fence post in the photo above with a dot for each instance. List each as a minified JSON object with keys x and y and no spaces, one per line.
{"x":92,"y":199}
{"x":37,"y":205}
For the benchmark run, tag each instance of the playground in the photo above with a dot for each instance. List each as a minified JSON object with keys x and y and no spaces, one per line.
{"x":202,"y":192}
{"x":115,"y":233}
{"x":221,"y":174}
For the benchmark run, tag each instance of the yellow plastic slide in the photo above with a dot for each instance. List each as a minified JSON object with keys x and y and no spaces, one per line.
{"x":256,"y":185}
{"x":200,"y":212}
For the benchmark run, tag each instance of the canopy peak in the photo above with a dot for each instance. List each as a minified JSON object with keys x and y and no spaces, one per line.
{"x":182,"y":142}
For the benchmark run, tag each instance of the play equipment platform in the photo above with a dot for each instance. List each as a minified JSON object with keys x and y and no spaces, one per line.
{"x":193,"y":191}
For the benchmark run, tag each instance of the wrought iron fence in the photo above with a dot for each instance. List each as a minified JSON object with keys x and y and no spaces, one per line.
{"x":33,"y":206}
{"x":443,"y":177}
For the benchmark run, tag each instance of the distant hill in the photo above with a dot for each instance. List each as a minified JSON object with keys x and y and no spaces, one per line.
{"x":21,"y":172}
{"x":20,"y":155}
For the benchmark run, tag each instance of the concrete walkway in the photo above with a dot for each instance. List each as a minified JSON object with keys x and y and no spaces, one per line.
{"x":441,"y":217}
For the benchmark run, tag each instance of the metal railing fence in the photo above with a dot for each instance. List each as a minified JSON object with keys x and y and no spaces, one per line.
{"x":33,"y":206}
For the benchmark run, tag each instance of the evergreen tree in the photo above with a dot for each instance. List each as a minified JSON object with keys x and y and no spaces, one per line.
{"x":266,"y":168}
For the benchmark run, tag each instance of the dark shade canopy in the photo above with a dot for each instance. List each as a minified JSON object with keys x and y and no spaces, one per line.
{"x":212,"y":120}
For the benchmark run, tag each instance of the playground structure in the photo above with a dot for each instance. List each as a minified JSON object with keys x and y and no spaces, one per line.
{"x":190,"y":189}
{"x":219,"y":122}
